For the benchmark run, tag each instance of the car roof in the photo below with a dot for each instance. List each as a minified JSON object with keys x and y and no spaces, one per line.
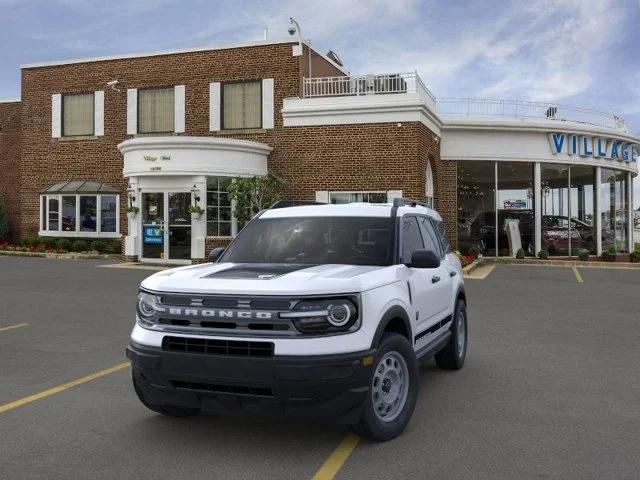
{"x":348,"y":210}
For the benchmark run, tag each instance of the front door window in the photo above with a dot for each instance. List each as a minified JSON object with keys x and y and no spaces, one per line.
{"x":166,"y":226}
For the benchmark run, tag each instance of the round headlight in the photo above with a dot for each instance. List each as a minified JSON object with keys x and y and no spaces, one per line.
{"x":147,"y":305}
{"x":339,"y":314}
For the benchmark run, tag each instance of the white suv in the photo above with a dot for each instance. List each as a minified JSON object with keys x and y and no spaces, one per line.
{"x":313,"y":310}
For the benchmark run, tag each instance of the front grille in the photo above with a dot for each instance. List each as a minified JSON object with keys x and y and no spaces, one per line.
{"x":223,"y":301}
{"x":220,"y":388}
{"x":233,"y":348}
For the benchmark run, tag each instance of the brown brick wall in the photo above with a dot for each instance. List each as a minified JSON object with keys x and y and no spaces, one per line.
{"x":384,"y":156}
{"x":9,"y":163}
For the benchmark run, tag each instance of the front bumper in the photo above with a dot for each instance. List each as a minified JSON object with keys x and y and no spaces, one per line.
{"x":320,"y":386}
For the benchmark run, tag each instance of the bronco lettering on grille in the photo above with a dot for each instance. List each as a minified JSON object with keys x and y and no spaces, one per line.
{"x":217,"y":313}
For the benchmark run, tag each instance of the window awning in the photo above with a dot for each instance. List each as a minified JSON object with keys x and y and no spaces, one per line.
{"x":80,"y":186}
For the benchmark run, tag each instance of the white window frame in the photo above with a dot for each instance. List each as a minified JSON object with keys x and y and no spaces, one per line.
{"x":358,"y":192}
{"x":78,"y":233}
{"x":234,"y":220}
{"x":57,"y":115}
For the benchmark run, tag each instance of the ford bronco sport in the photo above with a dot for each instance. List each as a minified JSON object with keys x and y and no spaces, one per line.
{"x":313,"y":310}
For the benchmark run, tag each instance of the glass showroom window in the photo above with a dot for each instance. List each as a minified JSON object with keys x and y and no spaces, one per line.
{"x":477,"y":207}
{"x":614,"y":193}
{"x":219,"y":223}
{"x":156,"y":110}
{"x":78,"y":115}
{"x":78,"y":215}
{"x":582,"y":208}
{"x":554,"y":181}
{"x":516,"y":220}
{"x":357,"y":197}
{"x":242,"y":105}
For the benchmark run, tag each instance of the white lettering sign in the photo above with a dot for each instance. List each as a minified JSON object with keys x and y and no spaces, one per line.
{"x":592,"y":146}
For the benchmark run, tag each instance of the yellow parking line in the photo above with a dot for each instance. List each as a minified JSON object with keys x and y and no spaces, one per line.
{"x":11,"y":327}
{"x":334,"y":463}
{"x":577,"y":274}
{"x":52,"y":391}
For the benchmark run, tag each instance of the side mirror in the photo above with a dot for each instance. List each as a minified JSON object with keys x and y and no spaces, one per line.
{"x":215,"y":254}
{"x":424,"y":259}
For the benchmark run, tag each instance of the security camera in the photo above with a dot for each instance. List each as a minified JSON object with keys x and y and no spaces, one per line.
{"x":112,"y":83}
{"x":292,"y":29}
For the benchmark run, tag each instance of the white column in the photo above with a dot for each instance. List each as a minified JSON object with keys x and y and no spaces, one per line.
{"x":199,"y":225}
{"x":132,"y":242}
{"x":630,"y":211}
{"x":537,"y":197}
{"x":598,"y":212}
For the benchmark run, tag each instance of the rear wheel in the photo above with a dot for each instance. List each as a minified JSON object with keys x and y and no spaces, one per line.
{"x":169,"y":410}
{"x":452,"y":356}
{"x":393,"y":390}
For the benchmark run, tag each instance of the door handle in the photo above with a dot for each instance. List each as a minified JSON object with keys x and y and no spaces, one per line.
{"x":453,"y":274}
{"x":435,"y":279}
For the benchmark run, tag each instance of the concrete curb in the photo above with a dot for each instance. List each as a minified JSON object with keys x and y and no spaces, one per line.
{"x":473,"y":265}
{"x":562,"y":263}
{"x":61,"y":256}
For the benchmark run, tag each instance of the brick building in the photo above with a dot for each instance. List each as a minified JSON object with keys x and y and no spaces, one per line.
{"x":163,"y":131}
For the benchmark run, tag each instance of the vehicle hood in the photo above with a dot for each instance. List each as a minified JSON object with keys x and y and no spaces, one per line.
{"x":270,"y":279}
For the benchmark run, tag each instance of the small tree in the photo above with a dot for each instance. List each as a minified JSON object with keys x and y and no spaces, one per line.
{"x":252,"y":194}
{"x":4,"y":220}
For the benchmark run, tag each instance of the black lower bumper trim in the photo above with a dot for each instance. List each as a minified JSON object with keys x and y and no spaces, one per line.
{"x":323,"y":386}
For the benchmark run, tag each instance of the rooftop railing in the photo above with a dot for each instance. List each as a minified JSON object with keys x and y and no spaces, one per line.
{"x":403,"y":83}
{"x":522,"y":109}
{"x":392,"y":83}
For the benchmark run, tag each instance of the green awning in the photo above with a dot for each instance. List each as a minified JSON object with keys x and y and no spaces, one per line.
{"x":80,"y":186}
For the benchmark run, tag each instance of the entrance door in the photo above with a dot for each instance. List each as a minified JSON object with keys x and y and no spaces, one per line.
{"x":166,"y":226}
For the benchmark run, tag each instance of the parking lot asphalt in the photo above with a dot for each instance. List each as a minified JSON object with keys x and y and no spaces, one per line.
{"x":550,"y":389}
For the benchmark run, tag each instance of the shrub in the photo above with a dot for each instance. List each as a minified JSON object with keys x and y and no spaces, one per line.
{"x":79,"y":246}
{"x":64,"y":244}
{"x":543,"y":254}
{"x":520,"y":253}
{"x":99,"y":246}
{"x":583,"y":254}
{"x":474,"y":252}
{"x":634,"y":257}
{"x":115,"y":247}
{"x":48,"y":242}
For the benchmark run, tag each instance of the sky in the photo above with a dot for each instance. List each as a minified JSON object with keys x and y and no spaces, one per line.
{"x":576,"y":52}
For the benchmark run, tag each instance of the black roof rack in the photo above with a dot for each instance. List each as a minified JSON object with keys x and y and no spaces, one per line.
{"x":407,"y":202}
{"x":294,"y":203}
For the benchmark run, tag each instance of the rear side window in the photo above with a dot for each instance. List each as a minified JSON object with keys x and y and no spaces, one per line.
{"x":430,"y":237}
{"x":442,"y":235}
{"x":411,"y":238}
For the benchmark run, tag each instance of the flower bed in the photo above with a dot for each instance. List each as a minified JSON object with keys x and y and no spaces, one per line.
{"x":59,"y":246}
{"x":465,"y":259}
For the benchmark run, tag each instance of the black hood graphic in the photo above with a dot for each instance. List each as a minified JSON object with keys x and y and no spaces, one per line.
{"x":264,"y":271}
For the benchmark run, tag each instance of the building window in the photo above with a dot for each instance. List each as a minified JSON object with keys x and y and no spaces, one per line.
{"x":614,"y":210}
{"x":357,"y":197}
{"x":219,"y":215}
{"x":428,"y":189}
{"x":78,"y":216}
{"x":78,"y":114}
{"x":156,"y":110}
{"x":242,"y":105}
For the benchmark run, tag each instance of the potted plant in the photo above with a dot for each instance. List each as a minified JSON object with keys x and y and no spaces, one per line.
{"x":196,"y":211}
{"x":543,"y":254}
{"x":132,"y":211}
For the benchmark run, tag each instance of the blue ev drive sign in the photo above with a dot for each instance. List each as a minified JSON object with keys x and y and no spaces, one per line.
{"x":597,"y":147}
{"x":153,"y":236}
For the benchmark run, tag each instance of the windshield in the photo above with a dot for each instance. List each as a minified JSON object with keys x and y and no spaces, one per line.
{"x":313,"y":240}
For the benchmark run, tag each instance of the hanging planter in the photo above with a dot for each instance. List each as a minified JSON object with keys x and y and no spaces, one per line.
{"x":195,"y":211}
{"x":132,"y":211}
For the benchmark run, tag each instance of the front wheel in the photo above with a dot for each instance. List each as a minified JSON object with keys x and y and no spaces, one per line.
{"x":452,"y":356}
{"x":393,"y":390}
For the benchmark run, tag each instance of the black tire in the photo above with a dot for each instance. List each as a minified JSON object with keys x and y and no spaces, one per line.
{"x":452,"y":356}
{"x":168,"y":410}
{"x":371,"y":426}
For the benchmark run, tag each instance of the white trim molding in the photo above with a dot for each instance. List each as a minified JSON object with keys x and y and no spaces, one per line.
{"x":98,"y":113}
{"x":132,"y":111}
{"x":267,"y":103}
{"x":184,"y":155}
{"x":214,"y":107}
{"x":179,"y":108}
{"x":56,"y":115}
